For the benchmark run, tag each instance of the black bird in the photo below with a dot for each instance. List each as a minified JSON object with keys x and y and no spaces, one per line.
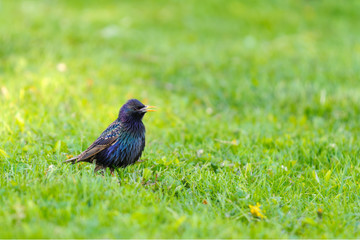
{"x":122,"y":143}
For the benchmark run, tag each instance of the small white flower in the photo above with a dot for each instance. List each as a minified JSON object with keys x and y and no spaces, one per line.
{"x":200,"y":152}
{"x":50,"y":169}
{"x":61,"y":67}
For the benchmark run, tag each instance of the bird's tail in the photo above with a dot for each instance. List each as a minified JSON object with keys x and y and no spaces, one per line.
{"x":71,"y":160}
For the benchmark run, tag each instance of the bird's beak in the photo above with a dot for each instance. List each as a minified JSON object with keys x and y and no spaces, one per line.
{"x":147,"y":109}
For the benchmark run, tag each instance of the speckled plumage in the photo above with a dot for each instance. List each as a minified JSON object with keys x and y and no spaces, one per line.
{"x":122,"y":143}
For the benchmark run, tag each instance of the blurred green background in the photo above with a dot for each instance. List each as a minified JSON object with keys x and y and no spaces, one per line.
{"x":258,"y":102}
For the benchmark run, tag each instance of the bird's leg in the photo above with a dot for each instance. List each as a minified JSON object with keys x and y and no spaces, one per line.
{"x":99,"y":168}
{"x":112,"y":171}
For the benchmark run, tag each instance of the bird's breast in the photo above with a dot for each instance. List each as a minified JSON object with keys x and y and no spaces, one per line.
{"x":126,"y":150}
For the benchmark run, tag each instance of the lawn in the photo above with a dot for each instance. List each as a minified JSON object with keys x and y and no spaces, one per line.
{"x":258,"y":104}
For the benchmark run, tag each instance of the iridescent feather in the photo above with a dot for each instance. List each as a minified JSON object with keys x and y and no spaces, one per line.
{"x":122,"y":143}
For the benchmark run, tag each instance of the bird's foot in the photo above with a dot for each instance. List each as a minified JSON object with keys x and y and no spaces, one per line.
{"x":112,"y":172}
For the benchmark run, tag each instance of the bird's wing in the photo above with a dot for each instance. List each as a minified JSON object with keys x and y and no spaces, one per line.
{"x":106,"y":139}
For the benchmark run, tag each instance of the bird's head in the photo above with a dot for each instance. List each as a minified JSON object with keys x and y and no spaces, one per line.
{"x":133,"y":110}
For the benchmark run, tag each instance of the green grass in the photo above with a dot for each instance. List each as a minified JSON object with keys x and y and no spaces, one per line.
{"x":259,"y":102}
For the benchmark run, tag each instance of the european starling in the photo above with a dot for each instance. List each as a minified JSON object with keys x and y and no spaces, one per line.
{"x":122,"y":143}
